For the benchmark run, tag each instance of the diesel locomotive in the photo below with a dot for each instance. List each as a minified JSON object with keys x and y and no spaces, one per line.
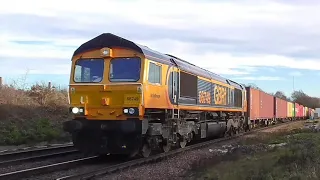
{"x":129,"y":99}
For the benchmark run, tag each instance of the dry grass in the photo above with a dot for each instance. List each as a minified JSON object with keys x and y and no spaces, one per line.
{"x":32,"y":115}
{"x":297,"y":159}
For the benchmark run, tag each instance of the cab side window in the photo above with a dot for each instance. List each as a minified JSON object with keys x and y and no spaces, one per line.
{"x":154,"y":73}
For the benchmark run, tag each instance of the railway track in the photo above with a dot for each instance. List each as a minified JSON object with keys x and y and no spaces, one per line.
{"x":112,"y":167}
{"x":21,"y":156}
{"x":122,"y":166}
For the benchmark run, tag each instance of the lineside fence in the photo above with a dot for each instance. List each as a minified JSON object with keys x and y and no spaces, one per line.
{"x":50,"y":86}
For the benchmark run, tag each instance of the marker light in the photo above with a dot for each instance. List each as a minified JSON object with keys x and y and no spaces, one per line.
{"x":131,"y":111}
{"x":106,"y":52}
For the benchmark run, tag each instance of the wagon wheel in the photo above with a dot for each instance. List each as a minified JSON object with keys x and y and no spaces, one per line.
{"x":248,"y":127}
{"x":146,"y":150}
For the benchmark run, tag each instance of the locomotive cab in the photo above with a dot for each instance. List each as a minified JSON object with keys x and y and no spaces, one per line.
{"x":106,"y":100}
{"x":101,"y":85}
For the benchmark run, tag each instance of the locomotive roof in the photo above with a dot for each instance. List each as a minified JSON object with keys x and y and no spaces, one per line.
{"x":110,"y":40}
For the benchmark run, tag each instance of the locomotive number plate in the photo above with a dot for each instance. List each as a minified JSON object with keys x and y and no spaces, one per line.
{"x":131,"y":99}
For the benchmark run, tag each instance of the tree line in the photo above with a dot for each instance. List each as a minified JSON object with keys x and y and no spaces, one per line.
{"x":301,"y":98}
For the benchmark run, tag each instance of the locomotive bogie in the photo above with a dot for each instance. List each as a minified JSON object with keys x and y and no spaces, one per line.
{"x":103,"y":137}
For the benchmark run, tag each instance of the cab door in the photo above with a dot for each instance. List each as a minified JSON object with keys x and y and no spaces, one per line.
{"x":174,"y":83}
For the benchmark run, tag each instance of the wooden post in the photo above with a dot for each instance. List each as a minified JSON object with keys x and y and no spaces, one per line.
{"x":49,"y":85}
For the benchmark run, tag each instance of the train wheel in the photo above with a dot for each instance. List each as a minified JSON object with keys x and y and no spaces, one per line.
{"x":166,"y":147}
{"x":134,"y":153}
{"x":234,"y":131}
{"x":183,"y":142}
{"x":227,"y":133}
{"x":145,"y":151}
{"x":238,"y":130}
{"x":230,"y":132}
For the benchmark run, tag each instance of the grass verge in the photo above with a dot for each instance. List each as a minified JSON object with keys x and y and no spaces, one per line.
{"x":297,"y":159}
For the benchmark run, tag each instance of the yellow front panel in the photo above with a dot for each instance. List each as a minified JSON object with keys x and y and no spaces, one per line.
{"x":105,"y":102}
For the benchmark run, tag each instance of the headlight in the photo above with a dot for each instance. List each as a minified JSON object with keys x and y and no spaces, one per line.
{"x":75,"y":110}
{"x":131,"y":111}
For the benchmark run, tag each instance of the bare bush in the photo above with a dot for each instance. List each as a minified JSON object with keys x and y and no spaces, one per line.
{"x":23,"y":111}
{"x":48,"y":96}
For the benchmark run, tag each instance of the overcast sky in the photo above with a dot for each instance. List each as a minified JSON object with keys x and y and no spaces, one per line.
{"x":251,"y":41}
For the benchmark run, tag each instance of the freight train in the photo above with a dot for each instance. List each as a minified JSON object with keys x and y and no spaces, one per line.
{"x":131,"y":100}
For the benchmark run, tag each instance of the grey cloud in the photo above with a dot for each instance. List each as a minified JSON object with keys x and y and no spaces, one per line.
{"x":38,"y":26}
{"x":47,"y":64}
{"x":297,"y":2}
{"x":58,"y":27}
{"x":258,"y":38}
{"x":290,"y":2}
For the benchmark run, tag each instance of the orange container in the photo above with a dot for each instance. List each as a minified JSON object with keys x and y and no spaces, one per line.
{"x":281,"y":108}
{"x":253,"y":99}
{"x":266,"y":105}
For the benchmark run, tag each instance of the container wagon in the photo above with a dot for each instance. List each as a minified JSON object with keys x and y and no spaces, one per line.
{"x":317,"y":113}
{"x":302,"y":110}
{"x":311,"y":113}
{"x":290,"y":110}
{"x":295,"y":106}
{"x":299,"y":113}
{"x":280,"y":109}
{"x":306,"y":113}
{"x":253,"y":110}
{"x":266,"y":107}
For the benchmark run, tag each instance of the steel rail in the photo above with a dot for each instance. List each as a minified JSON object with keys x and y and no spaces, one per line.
{"x":25,"y":155}
{"x":38,"y":157}
{"x":46,"y":169}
